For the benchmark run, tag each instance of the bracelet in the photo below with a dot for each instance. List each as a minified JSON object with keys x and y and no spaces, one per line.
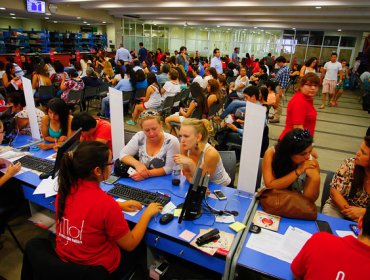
{"x":296,"y":172}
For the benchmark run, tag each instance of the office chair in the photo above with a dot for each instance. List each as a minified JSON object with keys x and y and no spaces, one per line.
{"x":326,"y":189}
{"x":229,"y":161}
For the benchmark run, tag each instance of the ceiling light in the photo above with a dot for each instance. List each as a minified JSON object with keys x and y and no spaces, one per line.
{"x":85,"y":22}
{"x":339,"y":30}
{"x":14,"y":18}
{"x":293,"y":28}
{"x":2,"y":8}
{"x":155,"y":23}
{"x":318,"y":7}
{"x":88,"y":24}
{"x":46,"y":17}
{"x":78,"y":17}
{"x":229,"y":29}
{"x":12,"y":14}
{"x":218,"y":26}
{"x":104,"y":22}
{"x":55,"y":21}
{"x":255,"y":27}
{"x":206,"y":28}
{"x":47,"y":14}
{"x":262,"y":30}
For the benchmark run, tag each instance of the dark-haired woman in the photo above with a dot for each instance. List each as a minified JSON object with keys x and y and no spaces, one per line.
{"x":74,"y":83}
{"x":56,"y":125}
{"x":198,"y":101}
{"x":309,"y":67}
{"x":289,"y":165}
{"x":10,"y":81}
{"x":350,"y":187}
{"x":100,"y":229}
{"x":153,"y":98}
{"x":40,"y":77}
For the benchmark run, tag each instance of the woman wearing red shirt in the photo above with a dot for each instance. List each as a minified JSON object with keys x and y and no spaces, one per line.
{"x":91,"y":228}
{"x":301,"y":113}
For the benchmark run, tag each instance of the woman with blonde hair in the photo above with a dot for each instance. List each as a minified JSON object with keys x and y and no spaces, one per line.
{"x":154,"y":148}
{"x":194,"y":146}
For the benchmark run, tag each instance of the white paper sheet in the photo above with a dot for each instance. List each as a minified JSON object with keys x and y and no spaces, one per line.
{"x":12,"y":155}
{"x":127,"y":213}
{"x":169,"y":208}
{"x":267,"y":242}
{"x":48,"y":187}
{"x":344,"y":233}
{"x":293,"y":241}
{"x":31,"y":109}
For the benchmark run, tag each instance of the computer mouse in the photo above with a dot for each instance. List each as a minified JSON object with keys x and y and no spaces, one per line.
{"x":44,"y":176}
{"x":166,"y":218}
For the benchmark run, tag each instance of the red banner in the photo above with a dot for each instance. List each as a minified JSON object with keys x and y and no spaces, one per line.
{"x":78,"y":55}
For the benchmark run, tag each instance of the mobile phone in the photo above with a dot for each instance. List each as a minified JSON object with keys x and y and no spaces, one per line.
{"x":323,"y":226}
{"x":162,"y":268}
{"x":111,"y":180}
{"x":219,"y":194}
{"x":355,"y":229}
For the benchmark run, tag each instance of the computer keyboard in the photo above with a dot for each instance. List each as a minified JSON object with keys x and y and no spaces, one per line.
{"x":144,"y":197}
{"x":35,"y":163}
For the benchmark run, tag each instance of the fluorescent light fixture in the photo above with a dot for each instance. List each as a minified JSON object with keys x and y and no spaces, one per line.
{"x":88,"y":24}
{"x":46,"y":17}
{"x":318,"y":7}
{"x":229,"y":29}
{"x":206,"y":28}
{"x":85,"y":22}
{"x":104,"y":22}
{"x":155,"y":23}
{"x":47,"y":14}
{"x":55,"y":21}
{"x":78,"y":17}
{"x":2,"y":8}
{"x":339,"y":30}
{"x":218,"y":26}
{"x":262,"y":30}
{"x":293,"y":28}
{"x":12,"y":14}
{"x":14,"y":18}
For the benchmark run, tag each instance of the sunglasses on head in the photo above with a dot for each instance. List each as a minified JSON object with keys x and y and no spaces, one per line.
{"x":302,"y":135}
{"x":148,"y":113}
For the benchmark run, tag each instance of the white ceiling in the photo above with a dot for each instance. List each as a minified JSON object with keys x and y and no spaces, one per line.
{"x":263,"y":14}
{"x":340,"y":14}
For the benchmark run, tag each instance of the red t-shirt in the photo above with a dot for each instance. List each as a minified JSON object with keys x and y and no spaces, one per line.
{"x":300,"y":111}
{"x":91,"y":224}
{"x":103,"y":131}
{"x":326,"y":256}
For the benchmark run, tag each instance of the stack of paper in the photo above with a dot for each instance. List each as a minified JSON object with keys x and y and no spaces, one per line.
{"x":48,"y":186}
{"x":284,"y":247}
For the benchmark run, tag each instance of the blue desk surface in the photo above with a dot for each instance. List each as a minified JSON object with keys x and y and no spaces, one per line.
{"x":274,"y":267}
{"x":236,"y":200}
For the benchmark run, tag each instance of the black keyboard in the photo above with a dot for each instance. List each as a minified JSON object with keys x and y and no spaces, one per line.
{"x":35,"y":163}
{"x":144,"y":197}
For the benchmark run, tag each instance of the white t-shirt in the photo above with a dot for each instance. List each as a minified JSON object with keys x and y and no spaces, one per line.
{"x":241,"y":81}
{"x":205,"y":80}
{"x":171,"y":88}
{"x":198,"y":79}
{"x":332,"y":70}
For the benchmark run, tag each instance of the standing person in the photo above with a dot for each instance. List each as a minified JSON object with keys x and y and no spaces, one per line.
{"x":83,"y":206}
{"x":350,"y":187}
{"x":182,"y":58}
{"x":340,"y":85}
{"x":93,"y":129}
{"x":194,"y":140}
{"x":142,"y":52}
{"x":123,"y":54}
{"x":330,"y":74}
{"x":343,"y":257}
{"x":300,"y":112}
{"x":216,"y":61}
{"x":268,"y":62}
{"x":283,"y":78}
{"x":234,"y":57}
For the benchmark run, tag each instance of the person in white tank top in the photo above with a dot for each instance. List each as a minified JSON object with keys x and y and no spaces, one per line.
{"x":194,"y":141}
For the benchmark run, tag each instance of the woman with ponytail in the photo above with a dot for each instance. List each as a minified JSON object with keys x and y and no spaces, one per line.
{"x":91,"y":228}
{"x":194,"y":140}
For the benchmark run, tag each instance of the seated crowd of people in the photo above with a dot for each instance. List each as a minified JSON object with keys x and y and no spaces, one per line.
{"x":211,"y":118}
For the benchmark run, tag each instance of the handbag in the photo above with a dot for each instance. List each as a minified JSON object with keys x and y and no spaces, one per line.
{"x":120,"y":168}
{"x":287,"y":203}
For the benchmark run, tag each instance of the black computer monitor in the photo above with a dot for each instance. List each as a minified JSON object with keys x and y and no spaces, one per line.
{"x":192,"y":207}
{"x":69,"y":145}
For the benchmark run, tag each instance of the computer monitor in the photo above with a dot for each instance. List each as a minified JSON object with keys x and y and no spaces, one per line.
{"x":69,"y":145}
{"x":192,"y":207}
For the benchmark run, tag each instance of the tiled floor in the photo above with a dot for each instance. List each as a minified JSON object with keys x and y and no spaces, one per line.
{"x":339,"y":132}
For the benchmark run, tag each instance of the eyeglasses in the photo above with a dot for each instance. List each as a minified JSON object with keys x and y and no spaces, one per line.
{"x":302,"y":135}
{"x":148,"y":113}
{"x":109,"y":163}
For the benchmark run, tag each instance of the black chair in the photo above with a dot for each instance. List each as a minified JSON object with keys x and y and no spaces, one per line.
{"x":259,"y":175}
{"x":167,"y":106}
{"x":46,"y":93}
{"x":326,"y":188}
{"x":74,"y":98}
{"x":128,"y":136}
{"x":230,"y":80}
{"x":90,"y":93}
{"x":185,"y":93}
{"x":40,"y":262}
{"x":126,"y":97}
{"x":103,"y":89}
{"x":176,"y":102}
{"x":140,"y":93}
{"x":229,"y":162}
